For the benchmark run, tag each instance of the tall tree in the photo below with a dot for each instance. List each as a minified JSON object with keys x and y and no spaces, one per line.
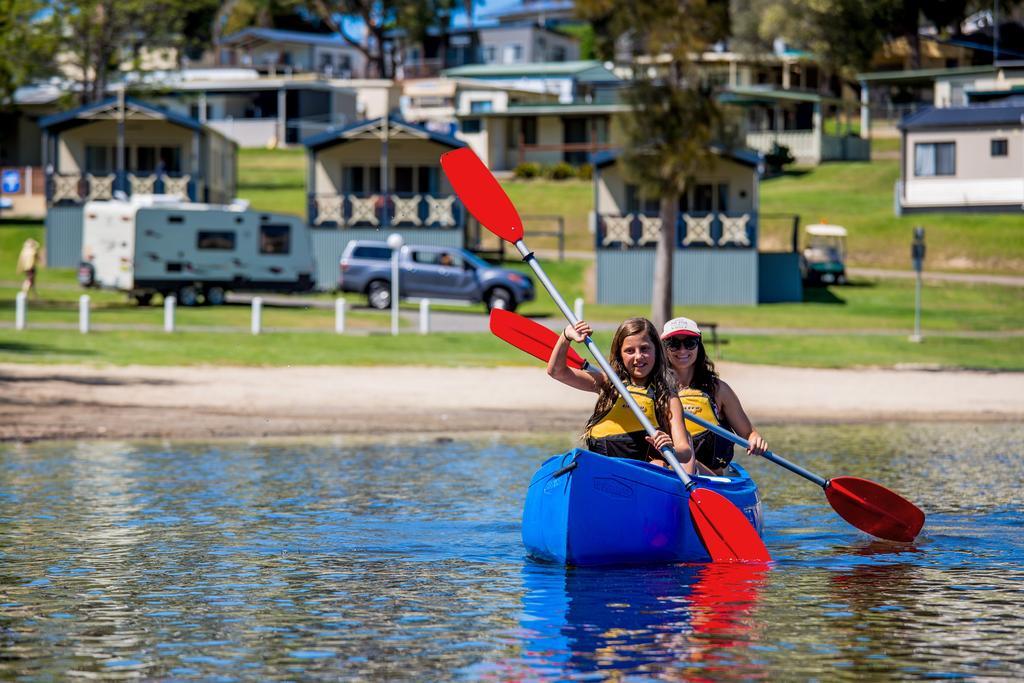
{"x":98,"y":35}
{"x":27,"y":45}
{"x":673,"y":118}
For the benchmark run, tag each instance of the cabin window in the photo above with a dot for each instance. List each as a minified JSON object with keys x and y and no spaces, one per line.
{"x":275,"y":239}
{"x":703,"y":198}
{"x":513,"y":54}
{"x":404,"y":180}
{"x":145,"y":159}
{"x":215,"y":240}
{"x":427,"y":179}
{"x":528,"y":127}
{"x":999,"y":147}
{"x":490,"y":54}
{"x":480,"y":106}
{"x":353,"y":182}
{"x":169,"y":160}
{"x":637,"y":204}
{"x":99,"y":160}
{"x":374,"y":180}
{"x":471,"y":125}
{"x":934,"y":158}
{"x":723,"y":197}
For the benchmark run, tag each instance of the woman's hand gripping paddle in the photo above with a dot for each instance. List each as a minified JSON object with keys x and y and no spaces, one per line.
{"x":726,"y":533}
{"x":866,"y":505}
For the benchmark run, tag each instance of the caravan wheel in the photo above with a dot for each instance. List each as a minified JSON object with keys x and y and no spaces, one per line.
{"x":215,"y":296}
{"x":188,"y":296}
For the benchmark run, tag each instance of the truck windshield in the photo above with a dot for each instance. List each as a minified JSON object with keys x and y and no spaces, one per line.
{"x":475,"y":260}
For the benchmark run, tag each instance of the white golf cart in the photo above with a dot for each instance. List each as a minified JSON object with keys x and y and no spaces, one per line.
{"x":824,"y":257}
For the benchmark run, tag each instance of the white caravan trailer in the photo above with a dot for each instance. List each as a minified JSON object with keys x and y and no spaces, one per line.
{"x":154,"y":244}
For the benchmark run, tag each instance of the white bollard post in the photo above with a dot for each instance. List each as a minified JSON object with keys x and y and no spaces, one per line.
{"x":83,"y":314}
{"x":577,"y":308}
{"x":19,"y":310}
{"x":339,"y":316}
{"x":257,"y":314}
{"x":170,"y":301}
{"x":395,"y":241}
{"x":425,"y":316}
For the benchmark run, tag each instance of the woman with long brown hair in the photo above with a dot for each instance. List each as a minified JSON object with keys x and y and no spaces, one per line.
{"x":705,"y":395}
{"x":638,"y":359}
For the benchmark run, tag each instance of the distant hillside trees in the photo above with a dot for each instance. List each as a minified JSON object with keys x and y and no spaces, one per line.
{"x":845,"y":34}
{"x":28,"y":40}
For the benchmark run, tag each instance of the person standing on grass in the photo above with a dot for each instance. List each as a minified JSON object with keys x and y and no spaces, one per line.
{"x":28,"y":261}
{"x":703,"y":394}
{"x":639,"y":361}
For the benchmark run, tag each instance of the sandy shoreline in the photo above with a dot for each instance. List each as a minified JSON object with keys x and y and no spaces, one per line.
{"x":85,"y":402}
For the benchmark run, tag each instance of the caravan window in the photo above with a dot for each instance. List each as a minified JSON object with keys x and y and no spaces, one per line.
{"x":275,"y":238}
{"x":215,"y":240}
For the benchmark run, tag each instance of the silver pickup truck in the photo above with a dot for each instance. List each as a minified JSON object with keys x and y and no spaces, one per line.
{"x":430,"y":273}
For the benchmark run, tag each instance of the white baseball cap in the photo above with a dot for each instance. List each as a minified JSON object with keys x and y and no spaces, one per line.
{"x":680,"y":327}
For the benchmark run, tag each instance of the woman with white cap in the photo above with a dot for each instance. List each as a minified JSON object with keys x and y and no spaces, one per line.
{"x":705,"y":395}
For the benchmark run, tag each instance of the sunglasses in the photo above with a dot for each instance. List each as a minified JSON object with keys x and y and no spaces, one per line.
{"x":689,"y":343}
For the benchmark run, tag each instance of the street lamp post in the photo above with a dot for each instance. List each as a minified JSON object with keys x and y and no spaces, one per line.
{"x":395,"y":241}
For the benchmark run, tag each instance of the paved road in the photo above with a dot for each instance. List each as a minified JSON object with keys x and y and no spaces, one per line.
{"x":978,"y":278}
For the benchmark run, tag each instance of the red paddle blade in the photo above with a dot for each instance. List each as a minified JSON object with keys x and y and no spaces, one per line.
{"x":874,"y":509}
{"x":529,"y":336}
{"x":726,"y":532}
{"x":480,"y":193}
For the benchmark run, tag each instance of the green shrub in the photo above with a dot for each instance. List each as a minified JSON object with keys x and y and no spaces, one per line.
{"x":559,"y":171}
{"x":585,"y":172}
{"x":527,"y":170}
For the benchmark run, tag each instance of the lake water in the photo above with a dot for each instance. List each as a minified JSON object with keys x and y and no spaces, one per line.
{"x":347,"y":560}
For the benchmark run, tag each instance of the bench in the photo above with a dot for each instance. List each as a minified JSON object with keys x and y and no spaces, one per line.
{"x":715,"y":341}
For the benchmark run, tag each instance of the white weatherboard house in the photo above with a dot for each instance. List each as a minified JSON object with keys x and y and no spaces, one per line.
{"x":962,"y":158}
{"x":376,"y":177}
{"x":164,"y":152}
{"x":715,"y":233}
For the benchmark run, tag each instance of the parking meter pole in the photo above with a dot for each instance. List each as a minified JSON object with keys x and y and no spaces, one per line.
{"x":395,"y":241}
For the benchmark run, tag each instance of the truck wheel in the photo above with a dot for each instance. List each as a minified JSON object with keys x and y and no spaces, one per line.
{"x":378,"y":294}
{"x":215,"y":296}
{"x":188,"y":296}
{"x":499,"y":297}
{"x":143,"y":299}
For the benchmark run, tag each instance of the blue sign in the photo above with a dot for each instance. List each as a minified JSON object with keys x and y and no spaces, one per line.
{"x":11,"y":182}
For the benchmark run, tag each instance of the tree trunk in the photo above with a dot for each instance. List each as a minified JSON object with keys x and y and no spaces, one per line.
{"x":661,"y":292}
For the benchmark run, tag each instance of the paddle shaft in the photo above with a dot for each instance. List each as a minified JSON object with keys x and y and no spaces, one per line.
{"x":667,"y":451}
{"x":767,"y":455}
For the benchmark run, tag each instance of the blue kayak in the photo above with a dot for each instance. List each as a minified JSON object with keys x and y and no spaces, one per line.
{"x":588,"y":509}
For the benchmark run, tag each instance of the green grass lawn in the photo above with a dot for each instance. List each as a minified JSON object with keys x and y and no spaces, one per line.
{"x":273,"y":179}
{"x":859,"y":196}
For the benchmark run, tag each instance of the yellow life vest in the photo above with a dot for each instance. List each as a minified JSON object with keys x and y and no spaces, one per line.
{"x":621,"y":420}
{"x":619,"y":434}
{"x":708,"y":448}
{"x":696,"y":402}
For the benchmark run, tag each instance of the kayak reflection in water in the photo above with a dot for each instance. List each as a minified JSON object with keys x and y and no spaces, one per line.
{"x":684,"y":622}
{"x":638,"y":359}
{"x":705,"y":395}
